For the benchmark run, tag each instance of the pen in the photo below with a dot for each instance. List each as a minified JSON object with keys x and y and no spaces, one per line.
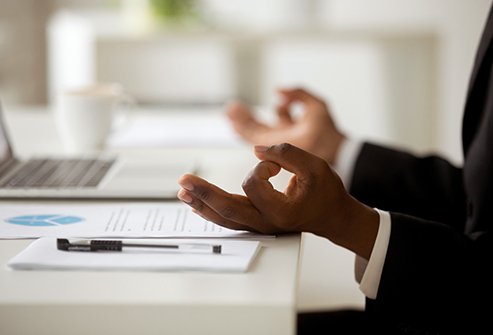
{"x":116,"y":245}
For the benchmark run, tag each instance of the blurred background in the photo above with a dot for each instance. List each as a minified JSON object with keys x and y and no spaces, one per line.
{"x":393,"y":71}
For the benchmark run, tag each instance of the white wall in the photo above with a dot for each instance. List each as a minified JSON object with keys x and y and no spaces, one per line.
{"x":378,"y":86}
{"x":457,"y":24}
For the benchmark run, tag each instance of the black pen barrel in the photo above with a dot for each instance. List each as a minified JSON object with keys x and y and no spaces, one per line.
{"x":137,"y":245}
{"x":102,"y":245}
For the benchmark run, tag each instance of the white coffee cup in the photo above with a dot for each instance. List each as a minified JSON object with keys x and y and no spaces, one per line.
{"x":84,"y":116}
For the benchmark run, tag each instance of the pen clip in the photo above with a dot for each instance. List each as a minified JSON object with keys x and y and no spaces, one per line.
{"x":65,"y":245}
{"x":62,"y":244}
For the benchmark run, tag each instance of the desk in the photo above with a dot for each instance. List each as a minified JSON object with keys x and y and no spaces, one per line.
{"x":262,"y":301}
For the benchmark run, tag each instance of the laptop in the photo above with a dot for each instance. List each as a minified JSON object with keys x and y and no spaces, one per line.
{"x":87,"y":177}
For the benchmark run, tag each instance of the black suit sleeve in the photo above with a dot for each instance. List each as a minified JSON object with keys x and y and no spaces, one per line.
{"x":434,"y":277}
{"x":392,"y":180}
{"x":434,"y":273}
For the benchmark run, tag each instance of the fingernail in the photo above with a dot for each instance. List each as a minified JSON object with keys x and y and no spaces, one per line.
{"x":187,"y":185}
{"x":184,"y":196}
{"x":261,"y":148}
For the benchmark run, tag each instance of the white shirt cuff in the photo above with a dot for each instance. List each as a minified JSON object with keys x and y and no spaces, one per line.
{"x":346,"y":159}
{"x":368,"y":273}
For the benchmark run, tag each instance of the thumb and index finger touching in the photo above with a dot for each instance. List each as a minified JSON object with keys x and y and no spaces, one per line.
{"x":296,"y":95}
{"x":297,"y":161}
{"x":247,"y":125}
{"x":287,"y":156}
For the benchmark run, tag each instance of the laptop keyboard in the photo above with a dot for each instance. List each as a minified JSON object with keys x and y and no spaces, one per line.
{"x":54,"y":173}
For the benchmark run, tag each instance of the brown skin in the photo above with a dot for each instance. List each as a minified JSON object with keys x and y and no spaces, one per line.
{"x":315,"y":201}
{"x":315,"y":131}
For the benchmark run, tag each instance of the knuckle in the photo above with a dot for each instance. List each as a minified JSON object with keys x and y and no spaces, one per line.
{"x":311,"y":179}
{"x":247,"y":185}
{"x":250,"y":183}
{"x":284,"y":148}
{"x":197,"y":205}
{"x":318,"y":168}
{"x":202,"y":193}
{"x":228,"y":213}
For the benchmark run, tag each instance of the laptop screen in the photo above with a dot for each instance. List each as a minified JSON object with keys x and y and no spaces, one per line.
{"x":5,"y":152}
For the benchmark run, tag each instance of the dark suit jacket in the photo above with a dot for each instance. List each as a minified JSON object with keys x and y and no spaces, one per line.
{"x":435,"y":276}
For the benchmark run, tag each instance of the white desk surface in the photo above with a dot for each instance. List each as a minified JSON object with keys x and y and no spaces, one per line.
{"x":262,"y":301}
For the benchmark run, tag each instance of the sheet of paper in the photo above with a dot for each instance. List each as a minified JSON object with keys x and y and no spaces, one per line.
{"x":42,"y":254}
{"x":194,"y":131}
{"x":132,"y":220}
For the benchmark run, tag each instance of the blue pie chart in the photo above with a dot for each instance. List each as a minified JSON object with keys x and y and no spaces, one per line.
{"x":46,"y":220}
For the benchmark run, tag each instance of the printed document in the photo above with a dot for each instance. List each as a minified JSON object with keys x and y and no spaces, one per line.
{"x":42,"y":254}
{"x":134,"y":220}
